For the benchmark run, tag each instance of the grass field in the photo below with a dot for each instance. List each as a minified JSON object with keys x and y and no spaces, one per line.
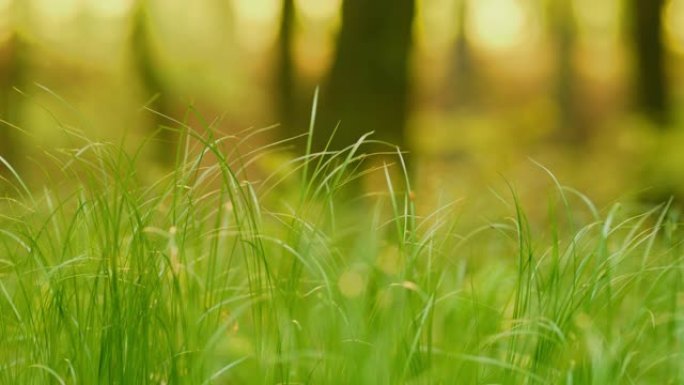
{"x":301,"y":278}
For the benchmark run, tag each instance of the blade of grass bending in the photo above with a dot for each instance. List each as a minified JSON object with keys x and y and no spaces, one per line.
{"x":16,"y":176}
{"x":9,"y":299}
{"x":309,"y":139}
{"x":51,"y":371}
{"x":224,"y":369}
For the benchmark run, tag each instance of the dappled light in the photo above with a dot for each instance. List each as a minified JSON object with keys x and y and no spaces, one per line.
{"x":473,"y":73}
{"x":319,"y":10}
{"x":500,"y":24}
{"x":257,"y":23}
{"x":674,"y":25}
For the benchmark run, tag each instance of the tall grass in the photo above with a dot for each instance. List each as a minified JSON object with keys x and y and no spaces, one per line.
{"x":206,"y":277}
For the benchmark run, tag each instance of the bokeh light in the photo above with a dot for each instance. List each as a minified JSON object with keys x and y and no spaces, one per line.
{"x":6,"y":21}
{"x":5,"y":5}
{"x":222,"y":51}
{"x":499,"y":25}
{"x":437,"y":24}
{"x":318,"y":9}
{"x":674,"y":25}
{"x":109,"y":8}
{"x":57,"y":11}
{"x":257,"y":22}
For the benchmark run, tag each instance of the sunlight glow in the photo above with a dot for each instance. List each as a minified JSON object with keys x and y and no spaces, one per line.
{"x":257,"y":10}
{"x":315,"y":32}
{"x":318,"y":9}
{"x":257,"y":22}
{"x":498,"y":25}
{"x":674,"y":26}
{"x":6,"y":21}
{"x":4,"y":5}
{"x":598,"y":55}
{"x":598,"y":20}
{"x":351,"y":284}
{"x":109,"y":8}
{"x":437,"y":23}
{"x":57,"y":11}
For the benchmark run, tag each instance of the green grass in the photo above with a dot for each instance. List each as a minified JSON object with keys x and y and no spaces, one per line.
{"x":203,"y":277}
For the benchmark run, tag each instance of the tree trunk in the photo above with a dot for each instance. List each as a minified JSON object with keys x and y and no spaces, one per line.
{"x":651,"y":83}
{"x":12,"y":75}
{"x":286,"y":100}
{"x":155,"y":92}
{"x":368,"y":87}
{"x":563,"y":27}
{"x":461,"y":79}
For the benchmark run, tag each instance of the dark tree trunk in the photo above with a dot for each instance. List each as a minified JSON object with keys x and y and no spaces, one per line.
{"x":155,"y":92}
{"x":368,"y":86}
{"x":286,"y":100}
{"x":651,"y":83}
{"x":12,"y":75}
{"x":563,"y":27}
{"x":461,"y":81}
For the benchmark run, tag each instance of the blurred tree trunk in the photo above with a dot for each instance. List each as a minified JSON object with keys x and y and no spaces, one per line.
{"x":461,"y":81}
{"x":156,"y":94}
{"x":368,"y":87}
{"x":12,"y":75}
{"x":564,"y":32}
{"x":286,"y":95}
{"x":651,"y":83}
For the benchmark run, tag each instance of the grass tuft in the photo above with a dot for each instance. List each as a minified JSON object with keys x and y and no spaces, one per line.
{"x":206,"y":276}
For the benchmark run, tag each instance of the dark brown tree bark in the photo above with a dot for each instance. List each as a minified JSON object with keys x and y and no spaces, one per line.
{"x":368,"y":85}
{"x":285,"y":72}
{"x":651,"y":84}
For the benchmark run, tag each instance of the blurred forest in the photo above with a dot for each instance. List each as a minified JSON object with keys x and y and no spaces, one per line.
{"x":471,"y":88}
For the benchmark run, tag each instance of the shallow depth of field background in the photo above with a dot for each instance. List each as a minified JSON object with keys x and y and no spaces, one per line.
{"x":473,"y":89}
{"x":253,"y":260}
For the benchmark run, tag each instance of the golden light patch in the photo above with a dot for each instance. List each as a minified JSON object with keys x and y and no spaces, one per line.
{"x":109,"y":8}
{"x":56,"y":10}
{"x":256,"y":15}
{"x":319,"y":10}
{"x":673,"y":16}
{"x":257,"y":10}
{"x":390,"y":261}
{"x":598,"y":20}
{"x":436,"y":24}
{"x":5,"y":5}
{"x":498,"y":25}
{"x":351,"y":284}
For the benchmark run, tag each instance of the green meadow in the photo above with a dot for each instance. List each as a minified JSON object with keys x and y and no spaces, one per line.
{"x":205,"y":276}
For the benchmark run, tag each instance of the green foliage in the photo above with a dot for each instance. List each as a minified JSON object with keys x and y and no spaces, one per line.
{"x":204,"y":277}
